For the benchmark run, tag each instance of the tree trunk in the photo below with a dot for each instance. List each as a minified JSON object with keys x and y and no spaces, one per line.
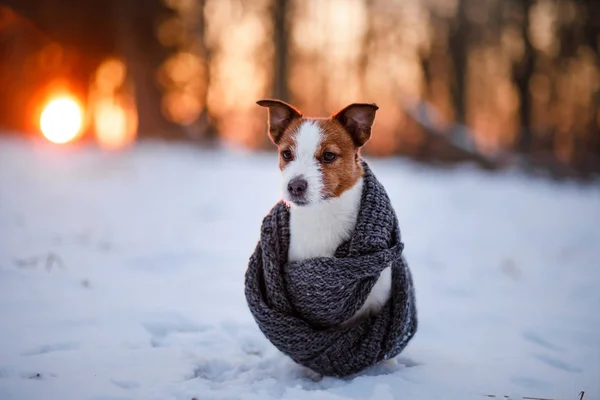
{"x":206,"y":122}
{"x":143,"y":54}
{"x":281,"y":40}
{"x":591,"y":143}
{"x":522,"y":74}
{"x":365,"y":46}
{"x":459,"y":38}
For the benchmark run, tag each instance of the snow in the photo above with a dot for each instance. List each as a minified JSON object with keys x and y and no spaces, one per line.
{"x":121,"y":277}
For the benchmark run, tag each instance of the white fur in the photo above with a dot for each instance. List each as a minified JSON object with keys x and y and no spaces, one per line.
{"x":317,"y":229}
{"x":306,"y":142}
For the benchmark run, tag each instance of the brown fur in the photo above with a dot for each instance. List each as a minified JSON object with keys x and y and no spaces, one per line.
{"x":345,"y":170}
{"x":281,"y":115}
{"x":286,"y":142}
{"x":344,"y":133}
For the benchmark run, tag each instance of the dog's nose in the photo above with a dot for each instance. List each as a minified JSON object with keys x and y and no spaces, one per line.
{"x":297,"y":186}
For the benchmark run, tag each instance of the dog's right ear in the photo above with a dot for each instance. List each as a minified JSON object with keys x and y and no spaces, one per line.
{"x":281,"y":115}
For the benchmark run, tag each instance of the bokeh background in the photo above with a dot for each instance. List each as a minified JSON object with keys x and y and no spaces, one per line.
{"x":135,"y":171}
{"x":495,"y":82}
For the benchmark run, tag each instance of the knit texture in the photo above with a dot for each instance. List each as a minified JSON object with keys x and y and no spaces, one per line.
{"x":298,"y":305}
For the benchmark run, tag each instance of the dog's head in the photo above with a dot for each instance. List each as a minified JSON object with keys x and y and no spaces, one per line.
{"x":318,"y":157}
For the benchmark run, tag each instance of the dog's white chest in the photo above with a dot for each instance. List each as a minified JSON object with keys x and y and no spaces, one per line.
{"x":317,"y":231}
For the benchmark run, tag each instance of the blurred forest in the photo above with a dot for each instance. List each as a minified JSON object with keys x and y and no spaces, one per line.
{"x":495,"y":82}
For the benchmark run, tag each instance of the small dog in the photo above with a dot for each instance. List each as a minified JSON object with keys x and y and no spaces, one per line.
{"x":319,"y":159}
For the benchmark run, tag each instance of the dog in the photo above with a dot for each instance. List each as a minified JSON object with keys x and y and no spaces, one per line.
{"x":322,"y":183}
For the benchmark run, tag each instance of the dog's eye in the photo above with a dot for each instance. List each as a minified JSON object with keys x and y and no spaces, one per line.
{"x":329,"y":156}
{"x":286,"y":155}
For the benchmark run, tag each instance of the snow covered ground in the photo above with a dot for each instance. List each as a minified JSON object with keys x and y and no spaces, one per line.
{"x":121,"y":277}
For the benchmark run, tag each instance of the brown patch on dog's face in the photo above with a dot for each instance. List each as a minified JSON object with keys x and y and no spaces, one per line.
{"x":341,"y":173}
{"x":287,"y":143}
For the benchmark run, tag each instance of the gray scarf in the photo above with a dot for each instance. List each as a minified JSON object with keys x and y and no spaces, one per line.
{"x":297,"y":305}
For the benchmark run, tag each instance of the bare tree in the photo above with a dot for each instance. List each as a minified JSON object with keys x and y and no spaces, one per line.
{"x":206,"y":120}
{"x":281,"y":41}
{"x":522,"y":74}
{"x":591,"y":30}
{"x":143,"y":54}
{"x":458,"y":43}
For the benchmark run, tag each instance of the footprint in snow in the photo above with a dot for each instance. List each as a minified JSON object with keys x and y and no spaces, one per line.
{"x":49,"y":348}
{"x":125,"y":384}
{"x":556,"y":363}
{"x":167,"y":325}
{"x":539,"y":340}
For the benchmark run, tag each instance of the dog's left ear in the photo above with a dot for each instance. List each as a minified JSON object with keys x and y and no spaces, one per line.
{"x":358,"y":119}
{"x":281,"y":115}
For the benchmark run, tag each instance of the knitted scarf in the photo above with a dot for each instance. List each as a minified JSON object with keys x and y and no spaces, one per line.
{"x":299,"y":305}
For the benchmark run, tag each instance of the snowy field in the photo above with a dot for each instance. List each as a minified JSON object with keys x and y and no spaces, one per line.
{"x":121,"y":277}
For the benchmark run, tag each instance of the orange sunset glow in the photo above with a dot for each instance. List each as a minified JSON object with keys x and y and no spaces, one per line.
{"x":61,"y":121}
{"x":112,"y":106}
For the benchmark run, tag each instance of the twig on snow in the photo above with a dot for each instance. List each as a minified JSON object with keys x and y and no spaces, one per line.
{"x":581,"y":394}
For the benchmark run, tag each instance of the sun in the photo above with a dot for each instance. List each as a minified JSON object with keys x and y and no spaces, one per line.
{"x":61,"y":120}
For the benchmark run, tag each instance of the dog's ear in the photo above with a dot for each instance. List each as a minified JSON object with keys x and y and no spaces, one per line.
{"x":281,"y":115}
{"x":358,"y":119}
